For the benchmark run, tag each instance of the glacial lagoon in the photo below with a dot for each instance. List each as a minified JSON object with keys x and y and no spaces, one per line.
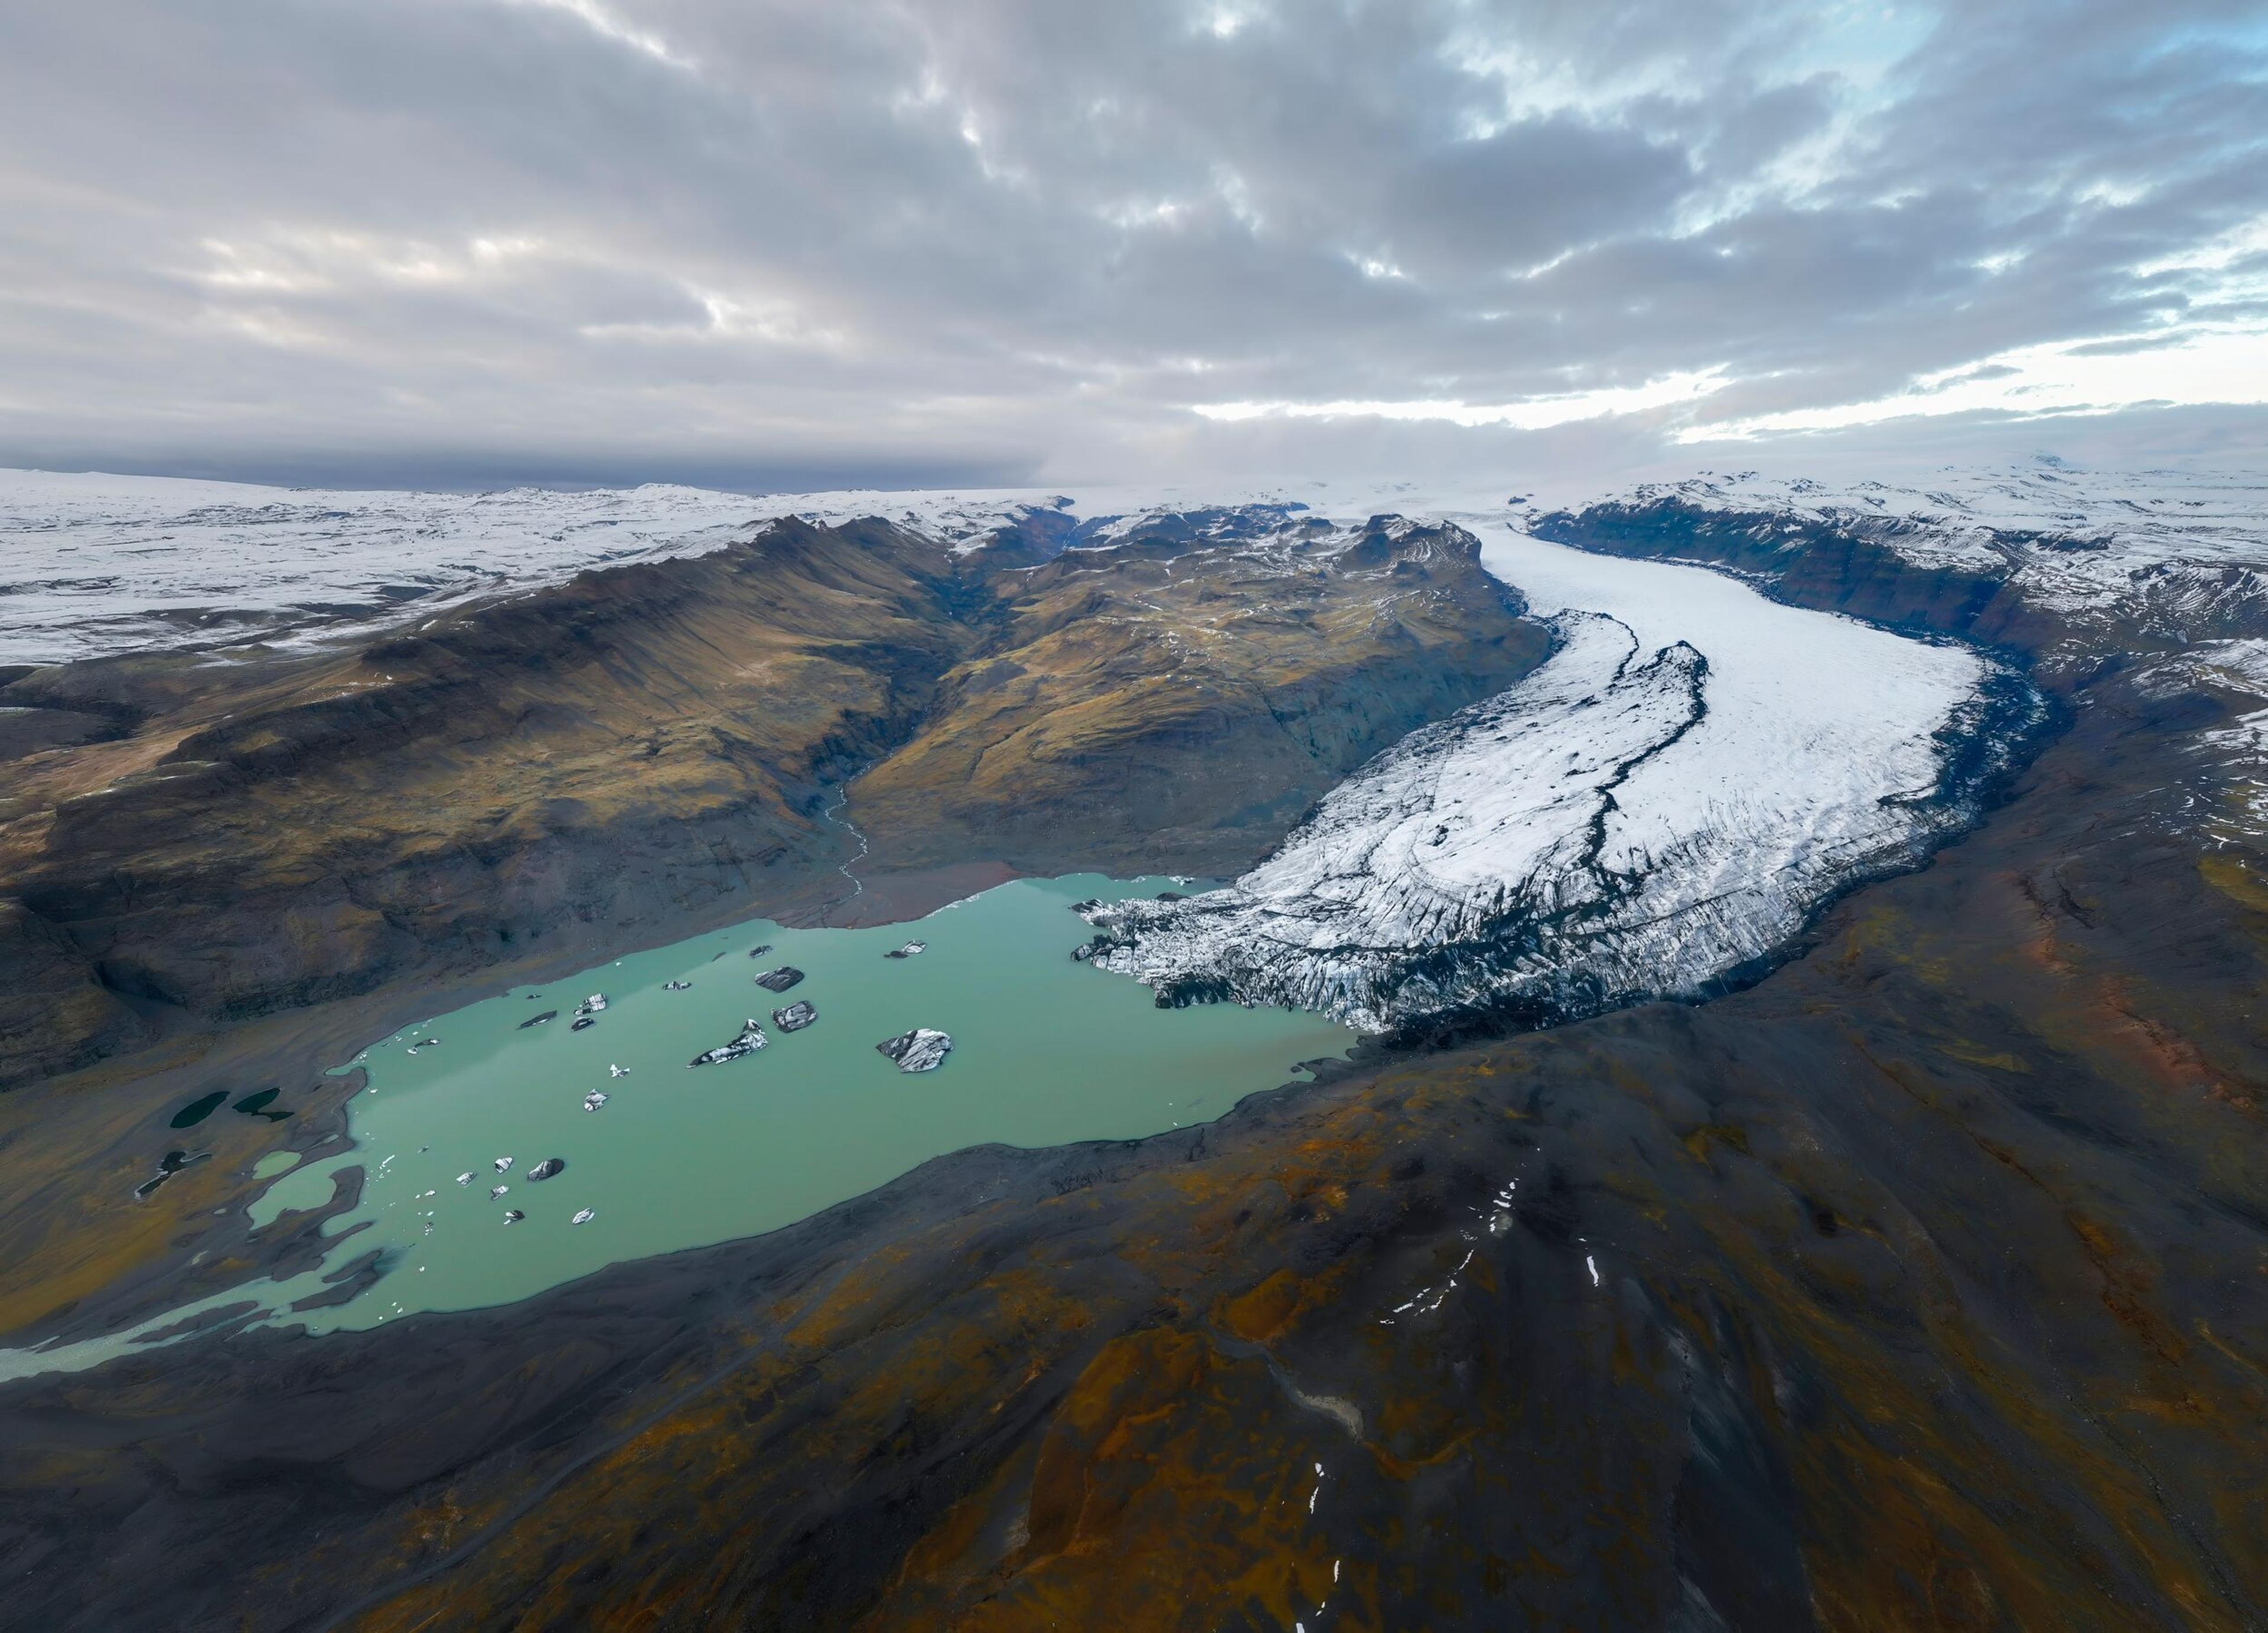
{"x":1046,"y":1051}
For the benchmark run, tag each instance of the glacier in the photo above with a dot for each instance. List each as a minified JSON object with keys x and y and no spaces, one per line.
{"x":1663,"y":803}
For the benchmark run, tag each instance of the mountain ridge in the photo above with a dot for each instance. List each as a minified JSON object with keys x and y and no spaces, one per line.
{"x":646,"y":741}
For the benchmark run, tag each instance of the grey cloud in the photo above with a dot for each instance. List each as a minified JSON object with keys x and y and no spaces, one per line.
{"x":1524,"y":194}
{"x":499,"y":238}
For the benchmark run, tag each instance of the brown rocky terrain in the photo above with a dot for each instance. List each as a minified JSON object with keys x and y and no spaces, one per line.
{"x":1924,"y":1285}
{"x":650,"y":747}
{"x":1156,"y":705}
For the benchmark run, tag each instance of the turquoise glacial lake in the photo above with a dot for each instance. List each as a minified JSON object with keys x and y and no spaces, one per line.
{"x":1045,"y":1052}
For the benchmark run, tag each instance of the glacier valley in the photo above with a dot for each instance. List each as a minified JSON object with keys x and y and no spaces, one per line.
{"x":1661,"y":806}
{"x":1658,"y":807}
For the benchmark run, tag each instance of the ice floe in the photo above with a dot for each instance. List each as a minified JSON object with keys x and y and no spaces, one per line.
{"x":922,"y":1049}
{"x":751,"y":1039}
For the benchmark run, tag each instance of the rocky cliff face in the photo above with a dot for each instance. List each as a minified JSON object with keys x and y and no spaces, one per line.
{"x":643,"y":744}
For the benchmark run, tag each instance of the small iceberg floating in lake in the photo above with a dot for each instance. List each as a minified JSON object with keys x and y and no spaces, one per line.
{"x":912,"y":949}
{"x":495,"y":1191}
{"x":581,"y":1021}
{"x":513,"y":1216}
{"x":547,"y":1167}
{"x":751,"y":1039}
{"x":922,"y":1049}
{"x":796,"y":1016}
{"x":503,"y":1165}
{"x":466,"y":1178}
{"x":595,"y":1099}
{"x":781,"y":979}
{"x":618,"y":1071}
{"x":677,"y":986}
{"x":760,"y":949}
{"x":592,"y":1004}
{"x":537,"y":1020}
{"x":583,"y":1216}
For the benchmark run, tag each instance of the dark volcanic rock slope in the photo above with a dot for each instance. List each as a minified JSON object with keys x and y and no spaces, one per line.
{"x":624,"y":754}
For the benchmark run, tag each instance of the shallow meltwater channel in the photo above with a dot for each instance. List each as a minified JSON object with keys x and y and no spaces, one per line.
{"x":1046,"y":1051}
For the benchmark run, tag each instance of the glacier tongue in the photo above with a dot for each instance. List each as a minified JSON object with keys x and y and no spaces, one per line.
{"x":1637,"y":818}
{"x":1471,"y":850}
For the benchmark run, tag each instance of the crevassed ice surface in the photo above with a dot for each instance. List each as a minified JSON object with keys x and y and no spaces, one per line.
{"x":1667,"y":798}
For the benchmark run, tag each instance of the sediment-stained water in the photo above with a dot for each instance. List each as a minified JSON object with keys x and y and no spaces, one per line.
{"x":1045,"y":1052}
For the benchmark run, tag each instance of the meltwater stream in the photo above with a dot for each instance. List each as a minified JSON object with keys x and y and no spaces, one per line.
{"x":1045,"y":1052}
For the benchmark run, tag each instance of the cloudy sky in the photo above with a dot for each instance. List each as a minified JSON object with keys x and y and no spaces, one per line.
{"x":780,"y":243}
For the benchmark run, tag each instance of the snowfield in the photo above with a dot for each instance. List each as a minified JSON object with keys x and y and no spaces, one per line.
{"x":92,"y":565}
{"x":1665,"y":800}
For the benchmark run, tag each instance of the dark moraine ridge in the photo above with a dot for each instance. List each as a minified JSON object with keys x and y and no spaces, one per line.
{"x":1913,"y":1288}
